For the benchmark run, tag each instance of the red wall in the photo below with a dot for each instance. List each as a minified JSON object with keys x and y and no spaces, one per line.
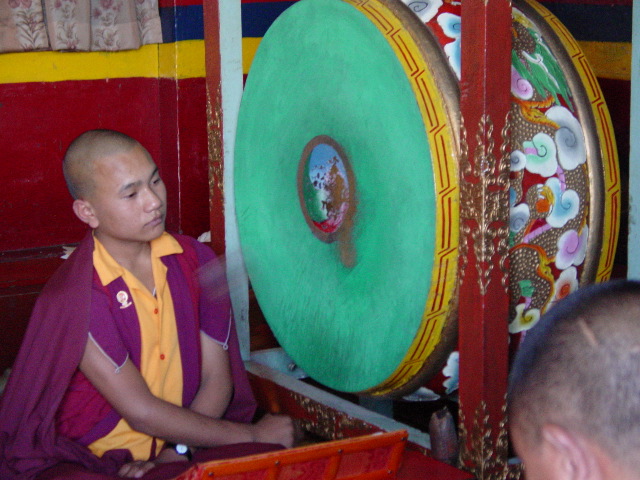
{"x":40,"y":119}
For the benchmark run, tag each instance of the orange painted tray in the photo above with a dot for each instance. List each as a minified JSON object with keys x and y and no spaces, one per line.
{"x":369,"y":457}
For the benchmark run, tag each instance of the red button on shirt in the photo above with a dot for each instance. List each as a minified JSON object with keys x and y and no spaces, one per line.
{"x":162,"y":356}
{"x":155,"y":310}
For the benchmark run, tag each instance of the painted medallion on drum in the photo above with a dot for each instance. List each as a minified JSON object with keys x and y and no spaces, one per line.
{"x":325,"y":187}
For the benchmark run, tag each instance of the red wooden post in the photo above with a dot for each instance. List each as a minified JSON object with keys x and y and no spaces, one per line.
{"x":211,"y":16}
{"x":181,"y":134}
{"x":484,"y":224}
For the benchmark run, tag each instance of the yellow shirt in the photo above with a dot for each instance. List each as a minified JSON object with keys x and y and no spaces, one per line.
{"x":160,"y":365}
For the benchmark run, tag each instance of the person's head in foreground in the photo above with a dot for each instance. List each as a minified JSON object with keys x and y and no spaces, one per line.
{"x":574,"y":389}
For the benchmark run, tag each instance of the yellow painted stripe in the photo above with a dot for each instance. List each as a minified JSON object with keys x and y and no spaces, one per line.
{"x":249,"y":48}
{"x":186,"y":60}
{"x":171,"y":60}
{"x":609,"y":59}
{"x":183,"y":59}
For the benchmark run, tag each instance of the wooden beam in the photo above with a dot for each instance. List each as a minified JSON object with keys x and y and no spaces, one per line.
{"x":484,"y":181}
{"x":633,"y":262}
{"x":223,"y":61}
{"x":214,"y":122}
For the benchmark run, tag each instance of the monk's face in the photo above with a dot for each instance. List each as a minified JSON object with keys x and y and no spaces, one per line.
{"x":128,"y":198}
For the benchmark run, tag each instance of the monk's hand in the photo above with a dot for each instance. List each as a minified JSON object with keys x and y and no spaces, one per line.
{"x":275,"y":429}
{"x":135,"y":469}
{"x":167,"y":455}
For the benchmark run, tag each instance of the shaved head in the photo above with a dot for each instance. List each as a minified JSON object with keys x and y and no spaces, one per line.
{"x":579,"y":369}
{"x":82,"y":154}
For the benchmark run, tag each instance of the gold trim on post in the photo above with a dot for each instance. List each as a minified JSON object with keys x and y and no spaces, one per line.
{"x":214,"y":134}
{"x":479,"y":455}
{"x":484,"y":190}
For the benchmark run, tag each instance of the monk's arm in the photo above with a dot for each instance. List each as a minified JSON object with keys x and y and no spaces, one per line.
{"x":128,"y":394}
{"x":216,"y":384}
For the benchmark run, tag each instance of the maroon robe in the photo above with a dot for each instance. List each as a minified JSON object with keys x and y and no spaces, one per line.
{"x":52,"y":349}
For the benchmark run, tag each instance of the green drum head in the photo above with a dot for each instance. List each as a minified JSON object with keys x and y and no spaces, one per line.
{"x":338,"y":198}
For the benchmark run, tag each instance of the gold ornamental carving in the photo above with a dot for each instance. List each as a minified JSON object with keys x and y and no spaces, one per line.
{"x":484,"y":193}
{"x":214,"y":140}
{"x":483,"y":455}
{"x":326,"y":422}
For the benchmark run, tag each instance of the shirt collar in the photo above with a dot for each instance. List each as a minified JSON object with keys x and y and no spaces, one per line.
{"x":108,"y":269}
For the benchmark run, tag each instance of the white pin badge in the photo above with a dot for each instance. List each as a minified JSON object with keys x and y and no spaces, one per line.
{"x":123,"y":299}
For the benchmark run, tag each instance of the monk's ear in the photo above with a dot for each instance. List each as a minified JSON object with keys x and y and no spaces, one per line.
{"x":85,"y":212}
{"x":570,"y":456}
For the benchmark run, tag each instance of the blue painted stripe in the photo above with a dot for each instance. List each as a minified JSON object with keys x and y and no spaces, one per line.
{"x":258,"y":17}
{"x":613,"y":21}
{"x":186,"y":22}
{"x":594,"y":23}
{"x":182,"y":23}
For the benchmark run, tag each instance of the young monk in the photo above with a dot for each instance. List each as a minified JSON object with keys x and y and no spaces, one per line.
{"x":126,"y":364}
{"x":574,"y":393}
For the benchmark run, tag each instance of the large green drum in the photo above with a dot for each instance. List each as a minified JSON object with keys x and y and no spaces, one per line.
{"x":346,"y":171}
